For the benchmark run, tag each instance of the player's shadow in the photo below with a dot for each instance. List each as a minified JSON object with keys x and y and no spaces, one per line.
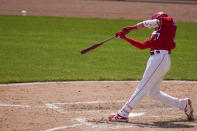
{"x":165,"y":124}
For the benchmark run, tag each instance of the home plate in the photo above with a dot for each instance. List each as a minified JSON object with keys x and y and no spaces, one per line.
{"x":136,"y":114}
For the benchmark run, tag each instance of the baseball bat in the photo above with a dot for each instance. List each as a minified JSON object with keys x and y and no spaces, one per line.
{"x":96,"y":45}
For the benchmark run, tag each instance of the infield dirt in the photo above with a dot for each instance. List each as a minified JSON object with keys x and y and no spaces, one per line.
{"x":85,"y":106}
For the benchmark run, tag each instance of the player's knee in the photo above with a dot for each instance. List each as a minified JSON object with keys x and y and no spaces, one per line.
{"x":152,"y":93}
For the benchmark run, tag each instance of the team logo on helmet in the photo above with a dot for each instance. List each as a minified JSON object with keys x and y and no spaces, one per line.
{"x":159,"y":15}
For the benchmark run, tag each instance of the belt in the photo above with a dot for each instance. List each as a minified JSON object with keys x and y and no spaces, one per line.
{"x":154,"y":53}
{"x":159,"y":51}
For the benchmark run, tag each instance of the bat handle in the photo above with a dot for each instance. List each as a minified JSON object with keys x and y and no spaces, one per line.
{"x":111,"y":38}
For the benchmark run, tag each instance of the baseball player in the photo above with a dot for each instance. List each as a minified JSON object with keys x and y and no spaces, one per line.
{"x":160,"y":43}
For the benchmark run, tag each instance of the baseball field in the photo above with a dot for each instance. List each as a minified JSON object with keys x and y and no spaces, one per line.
{"x":46,"y":84}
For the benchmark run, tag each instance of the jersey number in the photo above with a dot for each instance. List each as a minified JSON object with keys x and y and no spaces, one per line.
{"x":157,"y":36}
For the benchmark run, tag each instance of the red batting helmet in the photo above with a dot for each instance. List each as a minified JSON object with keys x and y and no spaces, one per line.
{"x":159,"y":15}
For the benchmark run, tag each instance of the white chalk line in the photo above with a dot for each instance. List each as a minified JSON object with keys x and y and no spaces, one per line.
{"x":54,"y":107}
{"x":20,"y":106}
{"x":13,"y":105}
{"x":65,"y":103}
{"x":83,"y":82}
{"x":62,"y":127}
{"x":89,"y":102}
{"x":60,"y":110}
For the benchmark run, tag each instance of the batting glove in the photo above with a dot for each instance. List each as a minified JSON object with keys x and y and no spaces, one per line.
{"x":127,"y":29}
{"x":120,"y":35}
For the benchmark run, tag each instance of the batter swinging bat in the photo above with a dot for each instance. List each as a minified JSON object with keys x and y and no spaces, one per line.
{"x":96,"y":45}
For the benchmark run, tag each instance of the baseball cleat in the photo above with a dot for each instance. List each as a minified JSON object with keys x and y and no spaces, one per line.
{"x":189,"y":110}
{"x":117,"y":118}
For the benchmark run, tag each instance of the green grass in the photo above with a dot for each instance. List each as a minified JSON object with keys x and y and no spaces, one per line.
{"x":48,"y":49}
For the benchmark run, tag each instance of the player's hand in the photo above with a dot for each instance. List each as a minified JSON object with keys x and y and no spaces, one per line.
{"x":126,"y":30}
{"x":117,"y":34}
{"x":120,"y":35}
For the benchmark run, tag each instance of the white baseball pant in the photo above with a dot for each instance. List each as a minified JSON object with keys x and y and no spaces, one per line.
{"x":157,"y":66}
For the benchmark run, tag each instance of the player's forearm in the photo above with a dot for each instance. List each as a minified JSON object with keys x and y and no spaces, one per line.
{"x":138,"y":44}
{"x":138,"y":26}
{"x":147,"y":24}
{"x":141,"y":26}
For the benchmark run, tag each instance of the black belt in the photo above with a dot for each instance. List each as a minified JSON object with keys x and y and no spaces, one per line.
{"x":157,"y":52}
{"x":154,"y":53}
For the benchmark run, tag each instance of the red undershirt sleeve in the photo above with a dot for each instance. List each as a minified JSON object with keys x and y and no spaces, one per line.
{"x":138,"y":44}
